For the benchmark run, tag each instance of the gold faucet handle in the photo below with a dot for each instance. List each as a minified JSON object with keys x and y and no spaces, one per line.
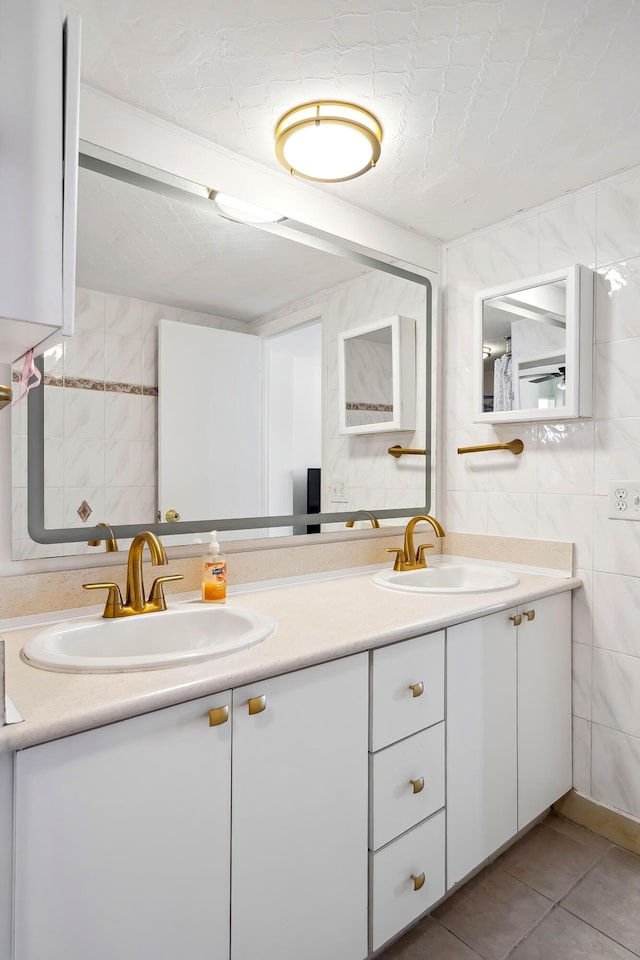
{"x":400,"y":558}
{"x":114,"y":597}
{"x":156,"y":594}
{"x":420,"y":560}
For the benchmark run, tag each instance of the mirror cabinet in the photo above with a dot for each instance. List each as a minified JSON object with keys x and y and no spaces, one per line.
{"x":377,"y":377}
{"x":533,"y":348}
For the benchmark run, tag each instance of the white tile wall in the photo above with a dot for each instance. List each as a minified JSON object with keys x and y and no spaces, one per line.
{"x":557,"y":488}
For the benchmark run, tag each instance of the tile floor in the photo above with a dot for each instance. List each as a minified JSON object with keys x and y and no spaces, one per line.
{"x":560,"y":893}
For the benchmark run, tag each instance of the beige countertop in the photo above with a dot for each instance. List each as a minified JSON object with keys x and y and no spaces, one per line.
{"x":318,"y":620}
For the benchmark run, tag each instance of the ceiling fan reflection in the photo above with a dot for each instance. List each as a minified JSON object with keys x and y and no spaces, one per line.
{"x":552,"y":376}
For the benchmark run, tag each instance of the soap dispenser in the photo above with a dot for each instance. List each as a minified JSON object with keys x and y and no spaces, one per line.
{"x":214,"y":573}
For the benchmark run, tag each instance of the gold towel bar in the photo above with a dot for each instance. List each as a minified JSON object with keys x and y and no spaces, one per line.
{"x":515,"y":446}
{"x":398,"y":451}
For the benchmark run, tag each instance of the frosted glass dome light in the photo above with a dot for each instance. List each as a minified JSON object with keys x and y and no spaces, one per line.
{"x":328,"y":141}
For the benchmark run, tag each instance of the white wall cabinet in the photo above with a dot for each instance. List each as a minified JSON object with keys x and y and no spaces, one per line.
{"x":508,"y":726}
{"x":38,"y":127}
{"x":123,"y":834}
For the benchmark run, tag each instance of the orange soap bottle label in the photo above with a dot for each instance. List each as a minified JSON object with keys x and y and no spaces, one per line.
{"x":214,"y":581}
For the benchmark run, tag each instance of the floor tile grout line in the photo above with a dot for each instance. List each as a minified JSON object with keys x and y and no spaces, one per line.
{"x":570,"y":888}
{"x":456,"y":937}
{"x":601,"y":932}
{"x":531,"y":929}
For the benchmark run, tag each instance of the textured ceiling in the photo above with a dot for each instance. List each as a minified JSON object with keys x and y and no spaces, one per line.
{"x":136,"y":243}
{"x":487,"y":107}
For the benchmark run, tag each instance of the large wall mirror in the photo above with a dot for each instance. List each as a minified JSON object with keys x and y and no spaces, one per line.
{"x":200,"y":389}
{"x":533,"y":345}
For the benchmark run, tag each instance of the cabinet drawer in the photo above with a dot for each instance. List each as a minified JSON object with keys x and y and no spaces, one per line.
{"x":397,"y":803}
{"x":398,"y":674}
{"x":394,"y":901}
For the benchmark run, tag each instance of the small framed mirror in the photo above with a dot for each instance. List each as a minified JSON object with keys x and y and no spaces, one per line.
{"x":377,"y":377}
{"x":533,"y":348}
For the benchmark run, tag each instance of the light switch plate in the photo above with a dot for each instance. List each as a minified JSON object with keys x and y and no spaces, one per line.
{"x":624,"y":499}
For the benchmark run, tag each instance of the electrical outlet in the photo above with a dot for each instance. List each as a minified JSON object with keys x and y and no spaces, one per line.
{"x":624,"y":499}
{"x":338,"y":491}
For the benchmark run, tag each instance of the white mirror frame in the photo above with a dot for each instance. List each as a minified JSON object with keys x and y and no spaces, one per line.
{"x":403,"y":372}
{"x":579,"y":348}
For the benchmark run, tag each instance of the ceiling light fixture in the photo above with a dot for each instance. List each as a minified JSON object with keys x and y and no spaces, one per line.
{"x":328,"y":141}
{"x":230,"y":208}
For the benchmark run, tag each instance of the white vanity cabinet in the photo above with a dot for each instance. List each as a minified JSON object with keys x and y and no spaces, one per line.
{"x":407,"y":784}
{"x":124,"y":833}
{"x":299,"y":847}
{"x":508,"y":726}
{"x":122,"y":840}
{"x":544,"y":705}
{"x":314,"y":814}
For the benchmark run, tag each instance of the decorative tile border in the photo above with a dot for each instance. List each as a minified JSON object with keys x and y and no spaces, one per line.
{"x":375,"y":407}
{"x":85,"y":383}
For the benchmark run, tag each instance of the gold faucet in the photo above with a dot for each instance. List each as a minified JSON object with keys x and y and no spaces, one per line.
{"x":135,"y":602}
{"x":111,"y":544}
{"x":363,"y":513}
{"x":407,"y":558}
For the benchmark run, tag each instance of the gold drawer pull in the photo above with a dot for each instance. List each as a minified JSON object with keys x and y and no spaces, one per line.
{"x":417,"y":689}
{"x":418,"y":882}
{"x":218,"y":716}
{"x":418,"y":785}
{"x":257,"y":704}
{"x":529,"y":614}
{"x":517,"y":620}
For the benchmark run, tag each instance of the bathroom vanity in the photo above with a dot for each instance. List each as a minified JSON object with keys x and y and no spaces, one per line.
{"x":288,"y":800}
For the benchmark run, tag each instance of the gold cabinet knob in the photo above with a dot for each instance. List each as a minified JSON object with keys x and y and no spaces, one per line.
{"x":417,"y":689}
{"x":257,"y":704}
{"x":418,"y":785}
{"x":418,"y":882}
{"x":529,"y":614}
{"x":218,"y":716}
{"x":172,"y":516}
{"x":517,"y":620}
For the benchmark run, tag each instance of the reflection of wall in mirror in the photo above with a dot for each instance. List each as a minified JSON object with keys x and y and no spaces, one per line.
{"x":100,"y":435}
{"x":374,"y":479}
{"x":105,"y":451}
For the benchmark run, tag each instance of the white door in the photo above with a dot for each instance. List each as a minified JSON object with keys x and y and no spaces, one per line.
{"x":544,"y":705}
{"x":299,"y":846}
{"x":123,"y":840}
{"x":481,"y":741}
{"x":209,"y":423}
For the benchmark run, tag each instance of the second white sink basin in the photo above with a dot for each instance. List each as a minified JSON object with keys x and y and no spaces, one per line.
{"x":447,"y":578}
{"x":185,"y":633}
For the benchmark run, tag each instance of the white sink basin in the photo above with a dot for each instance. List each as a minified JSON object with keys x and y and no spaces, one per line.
{"x":185,"y":633}
{"x":447,"y":578}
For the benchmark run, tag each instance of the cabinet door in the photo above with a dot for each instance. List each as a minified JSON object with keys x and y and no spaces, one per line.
{"x":122,"y":840}
{"x":481,"y":741}
{"x":299,"y":879}
{"x":544,"y":705}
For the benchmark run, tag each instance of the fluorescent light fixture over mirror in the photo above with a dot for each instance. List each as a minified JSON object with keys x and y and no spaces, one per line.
{"x":328,"y":141}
